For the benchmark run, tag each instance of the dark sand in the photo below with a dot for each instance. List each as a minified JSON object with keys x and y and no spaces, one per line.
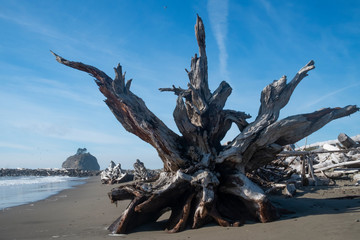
{"x":85,"y":211}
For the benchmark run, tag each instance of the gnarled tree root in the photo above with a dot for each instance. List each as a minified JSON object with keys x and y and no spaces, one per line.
{"x":194,"y":200}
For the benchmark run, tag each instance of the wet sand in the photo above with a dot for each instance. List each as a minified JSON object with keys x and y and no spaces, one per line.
{"x":84,"y":212}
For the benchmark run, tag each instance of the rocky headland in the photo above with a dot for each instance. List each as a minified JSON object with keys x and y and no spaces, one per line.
{"x":82,"y":160}
{"x":82,"y":164}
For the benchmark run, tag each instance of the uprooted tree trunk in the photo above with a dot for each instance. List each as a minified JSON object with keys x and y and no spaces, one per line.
{"x":203,"y":180}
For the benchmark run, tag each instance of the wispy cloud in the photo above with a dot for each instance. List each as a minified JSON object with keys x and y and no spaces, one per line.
{"x":326,"y":96}
{"x":70,"y":133}
{"x":46,"y":89}
{"x":14,"y":146}
{"x":53,"y":33}
{"x":35,"y":26}
{"x":31,"y":119}
{"x":55,"y":89}
{"x":218,"y":13}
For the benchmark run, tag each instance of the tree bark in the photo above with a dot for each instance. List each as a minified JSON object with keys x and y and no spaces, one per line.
{"x":204,"y":181}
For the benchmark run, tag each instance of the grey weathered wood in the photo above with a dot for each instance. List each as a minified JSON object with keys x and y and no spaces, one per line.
{"x":304,"y":153}
{"x":141,"y":173}
{"x":114,"y":174}
{"x":346,"y":141}
{"x":204,"y":180}
{"x":310,"y":160}
{"x":349,"y":163}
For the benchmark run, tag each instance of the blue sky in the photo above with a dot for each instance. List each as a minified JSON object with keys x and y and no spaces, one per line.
{"x":48,"y":110}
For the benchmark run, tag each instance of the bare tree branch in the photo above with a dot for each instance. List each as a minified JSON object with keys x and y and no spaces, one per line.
{"x":133,"y":114}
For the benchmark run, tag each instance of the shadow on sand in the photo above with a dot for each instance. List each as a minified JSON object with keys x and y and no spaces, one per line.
{"x":303,"y":204}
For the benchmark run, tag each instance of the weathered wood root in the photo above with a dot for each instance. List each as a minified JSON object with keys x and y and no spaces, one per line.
{"x":194,"y":200}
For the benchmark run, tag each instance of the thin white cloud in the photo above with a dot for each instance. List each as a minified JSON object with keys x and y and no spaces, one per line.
{"x":61,"y":131}
{"x":323,"y":98}
{"x":44,"y":87}
{"x":218,"y":13}
{"x":27,"y":117}
{"x":32,"y":25}
{"x":66,"y":94}
{"x":38,"y":26}
{"x":14,"y":146}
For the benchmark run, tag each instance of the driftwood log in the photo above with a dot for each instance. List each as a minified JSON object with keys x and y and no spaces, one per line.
{"x":114,"y":174}
{"x":203,"y":180}
{"x":347,"y":141}
{"x":141,"y":173}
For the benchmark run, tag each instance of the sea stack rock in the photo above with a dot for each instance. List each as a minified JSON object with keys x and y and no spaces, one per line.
{"x":81,"y":160}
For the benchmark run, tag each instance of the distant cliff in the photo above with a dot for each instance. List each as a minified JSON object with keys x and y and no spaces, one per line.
{"x":81,"y":160}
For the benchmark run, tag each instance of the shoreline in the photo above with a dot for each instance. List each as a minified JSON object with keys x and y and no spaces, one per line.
{"x":67,"y":214}
{"x":45,"y":172}
{"x":84,"y":212}
{"x":21,"y":190}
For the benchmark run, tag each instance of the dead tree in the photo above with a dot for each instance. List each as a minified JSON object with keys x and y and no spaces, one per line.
{"x":204,"y":180}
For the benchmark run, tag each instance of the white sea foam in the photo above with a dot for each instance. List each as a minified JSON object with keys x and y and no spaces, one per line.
{"x":12,"y":181}
{"x":16,"y":191}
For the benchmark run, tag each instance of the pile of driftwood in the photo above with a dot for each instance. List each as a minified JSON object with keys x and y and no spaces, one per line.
{"x":114,"y":174}
{"x":315,"y":165}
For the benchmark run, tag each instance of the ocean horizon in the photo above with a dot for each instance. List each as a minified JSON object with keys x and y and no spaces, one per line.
{"x":19,"y":190}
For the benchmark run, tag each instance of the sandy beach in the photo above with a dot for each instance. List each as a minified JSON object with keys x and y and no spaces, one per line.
{"x":84,"y":212}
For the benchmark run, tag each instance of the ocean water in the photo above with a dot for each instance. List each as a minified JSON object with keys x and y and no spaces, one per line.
{"x":15,"y":191}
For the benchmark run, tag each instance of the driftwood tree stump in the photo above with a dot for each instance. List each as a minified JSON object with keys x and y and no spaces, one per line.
{"x":347,"y":141}
{"x":141,"y":173}
{"x":203,"y":180}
